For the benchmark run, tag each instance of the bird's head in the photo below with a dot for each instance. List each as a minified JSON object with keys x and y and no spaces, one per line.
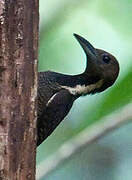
{"x":101,"y":65}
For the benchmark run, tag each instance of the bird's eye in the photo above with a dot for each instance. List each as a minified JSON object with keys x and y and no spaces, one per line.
{"x":106,"y":58}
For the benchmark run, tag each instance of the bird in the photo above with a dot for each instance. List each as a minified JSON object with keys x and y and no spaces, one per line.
{"x":57,"y":92}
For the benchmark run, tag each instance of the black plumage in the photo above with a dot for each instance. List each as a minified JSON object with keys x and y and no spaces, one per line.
{"x":57,"y":92}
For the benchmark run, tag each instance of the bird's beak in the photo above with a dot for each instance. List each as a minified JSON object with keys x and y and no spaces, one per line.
{"x":87,"y":47}
{"x":90,"y":53}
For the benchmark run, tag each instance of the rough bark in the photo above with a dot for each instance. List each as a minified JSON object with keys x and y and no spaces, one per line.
{"x":18,"y":88}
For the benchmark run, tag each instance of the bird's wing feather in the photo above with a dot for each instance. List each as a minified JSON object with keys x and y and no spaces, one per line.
{"x":57,"y":108}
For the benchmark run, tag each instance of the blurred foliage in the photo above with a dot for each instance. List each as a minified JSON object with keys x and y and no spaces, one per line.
{"x":107,"y":25}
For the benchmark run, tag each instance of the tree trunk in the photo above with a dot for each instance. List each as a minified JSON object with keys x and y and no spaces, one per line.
{"x":18,"y":88}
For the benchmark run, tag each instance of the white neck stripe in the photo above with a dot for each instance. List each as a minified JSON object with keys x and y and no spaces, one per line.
{"x":82,"y":89}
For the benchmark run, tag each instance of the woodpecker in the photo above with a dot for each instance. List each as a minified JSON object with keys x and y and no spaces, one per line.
{"x":57,"y":92}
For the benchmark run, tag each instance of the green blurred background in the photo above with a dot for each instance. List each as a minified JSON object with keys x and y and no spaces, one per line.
{"x":107,"y":25}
